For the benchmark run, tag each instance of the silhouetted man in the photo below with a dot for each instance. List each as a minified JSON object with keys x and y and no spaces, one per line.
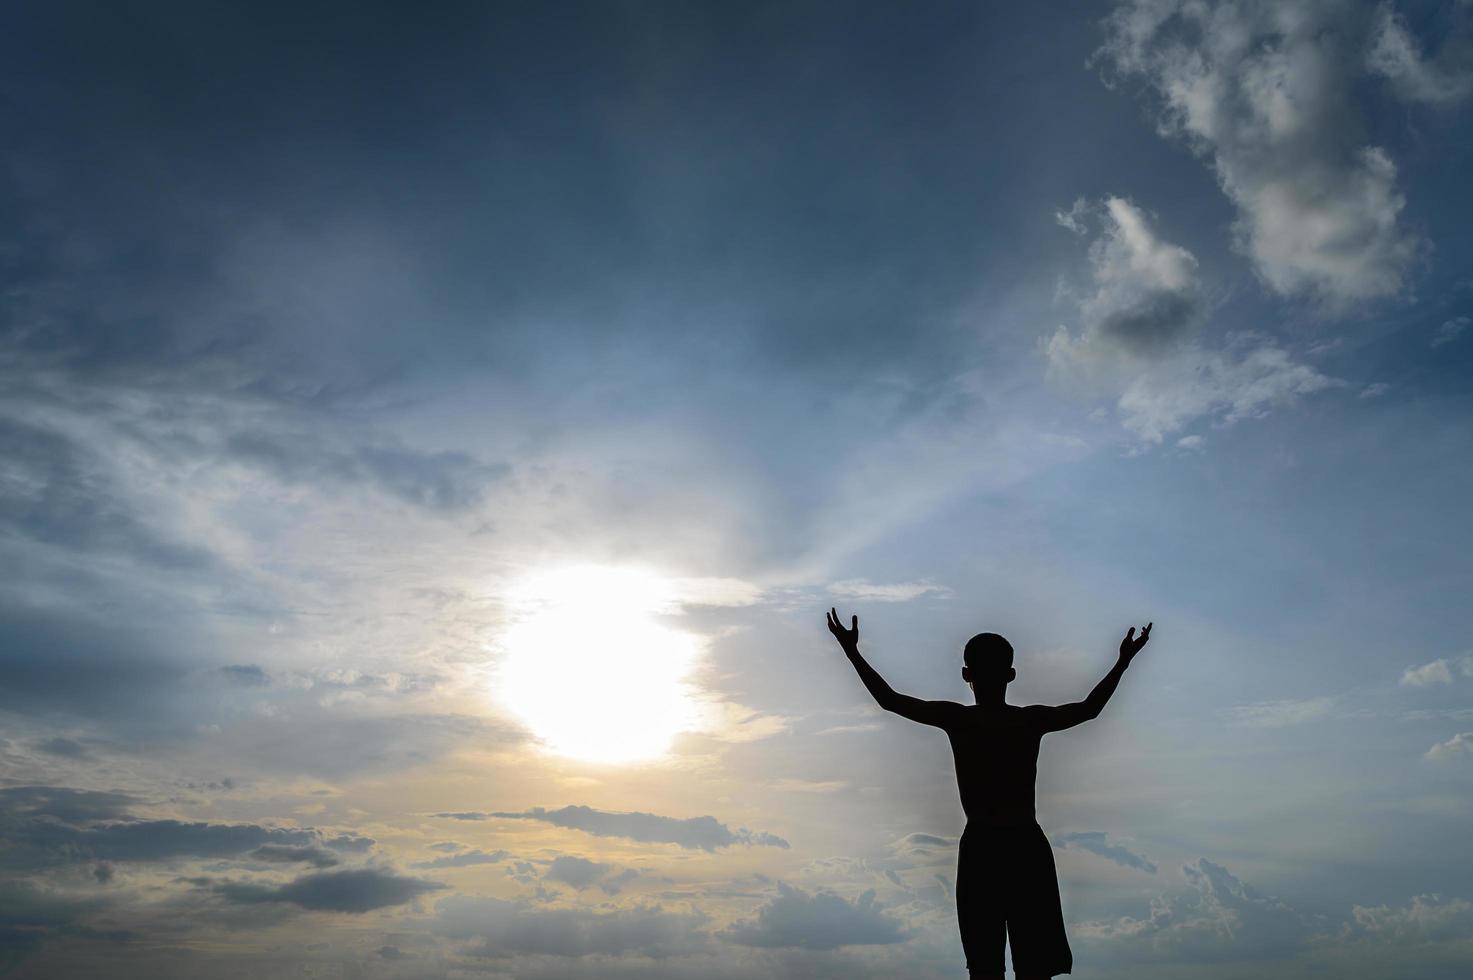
{"x":1006,"y":885}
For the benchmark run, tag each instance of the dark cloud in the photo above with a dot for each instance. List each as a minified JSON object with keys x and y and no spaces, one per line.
{"x":60,"y":746}
{"x":355,"y":890}
{"x":318,"y":857}
{"x":504,"y":928}
{"x":822,"y":920}
{"x":246,"y":675}
{"x":703,"y":833}
{"x":464,"y":859}
{"x":1095,"y":843}
{"x":30,"y":915}
{"x":70,"y":664}
{"x":50,"y":826}
{"x":576,"y":871}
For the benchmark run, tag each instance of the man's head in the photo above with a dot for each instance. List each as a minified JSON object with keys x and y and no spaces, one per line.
{"x":988,"y":660}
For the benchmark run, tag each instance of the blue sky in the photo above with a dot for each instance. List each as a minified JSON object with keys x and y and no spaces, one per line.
{"x":431,"y":438}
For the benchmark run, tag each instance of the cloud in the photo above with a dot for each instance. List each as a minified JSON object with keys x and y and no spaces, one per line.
{"x":30,"y":914}
{"x":51,"y":826}
{"x":797,"y":919}
{"x":504,"y":928}
{"x":1277,"y":714}
{"x":1429,"y":918}
{"x":1229,"y":386}
{"x":865,"y":591}
{"x":703,"y":833}
{"x":1146,"y":295}
{"x":1395,"y":55}
{"x":1095,"y":843}
{"x":1459,"y":746}
{"x":287,"y":854}
{"x":441,"y":481}
{"x":1374,"y":390}
{"x":575,"y":871}
{"x":868,"y":726}
{"x":1221,"y":918}
{"x":1450,"y":330}
{"x":1139,"y":339}
{"x":356,"y":890}
{"x":1263,"y":93}
{"x":246,"y":675}
{"x":1439,"y":671}
{"x":465,"y":859}
{"x":58,"y":745}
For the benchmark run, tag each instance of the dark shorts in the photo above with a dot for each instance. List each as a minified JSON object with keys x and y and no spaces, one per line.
{"x":1007,"y":889}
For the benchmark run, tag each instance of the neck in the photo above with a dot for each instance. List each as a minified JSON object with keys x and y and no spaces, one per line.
{"x":990,"y":697}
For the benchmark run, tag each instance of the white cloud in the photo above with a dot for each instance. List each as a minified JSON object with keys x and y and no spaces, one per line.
{"x":1440,"y":671}
{"x":1227,"y":386}
{"x":1262,"y":92}
{"x":1397,"y":56}
{"x":863,"y":590}
{"x":1276,"y":714}
{"x":1375,"y":390}
{"x":1221,"y":918}
{"x":1146,"y":296}
{"x":1074,"y":218}
{"x":1457,"y":747}
{"x":1451,"y":330}
{"x":1138,"y":328}
{"x":1437,"y":672}
{"x":1427,"y":918}
{"x":1097,"y":842}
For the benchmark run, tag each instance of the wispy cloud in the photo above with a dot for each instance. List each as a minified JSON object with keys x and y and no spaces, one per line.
{"x":696,"y":833}
{"x":1096,"y":842}
{"x":865,"y":591}
{"x":1289,"y":711}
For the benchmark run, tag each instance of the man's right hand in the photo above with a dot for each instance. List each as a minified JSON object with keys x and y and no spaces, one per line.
{"x":1131,"y":645}
{"x":848,"y":638}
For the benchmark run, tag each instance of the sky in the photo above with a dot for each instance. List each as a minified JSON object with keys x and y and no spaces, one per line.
{"x":431,"y":436}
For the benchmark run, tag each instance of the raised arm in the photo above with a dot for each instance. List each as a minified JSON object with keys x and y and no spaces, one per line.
{"x":938,"y":713}
{"x":1068,"y":715}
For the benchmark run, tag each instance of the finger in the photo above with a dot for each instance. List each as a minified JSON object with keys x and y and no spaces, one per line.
{"x":855,"y":627}
{"x":1130,"y":633}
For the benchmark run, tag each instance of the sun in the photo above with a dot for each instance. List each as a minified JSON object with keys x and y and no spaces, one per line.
{"x":589,"y":665}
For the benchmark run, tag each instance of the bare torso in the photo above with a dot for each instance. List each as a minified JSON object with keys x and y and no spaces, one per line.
{"x":996,"y":755}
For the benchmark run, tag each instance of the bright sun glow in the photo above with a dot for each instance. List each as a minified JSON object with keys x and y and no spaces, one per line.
{"x":590,"y":667}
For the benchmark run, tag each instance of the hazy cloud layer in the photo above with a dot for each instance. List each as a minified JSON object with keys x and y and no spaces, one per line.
{"x":499,"y":928}
{"x":795,"y":918}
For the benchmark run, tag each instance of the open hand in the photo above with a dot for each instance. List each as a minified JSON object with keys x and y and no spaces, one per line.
{"x":1131,"y":645}
{"x":848,"y":638}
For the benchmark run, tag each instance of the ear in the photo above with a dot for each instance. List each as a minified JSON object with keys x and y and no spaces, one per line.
{"x":967,"y":675}
{"x":1012,"y":674}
